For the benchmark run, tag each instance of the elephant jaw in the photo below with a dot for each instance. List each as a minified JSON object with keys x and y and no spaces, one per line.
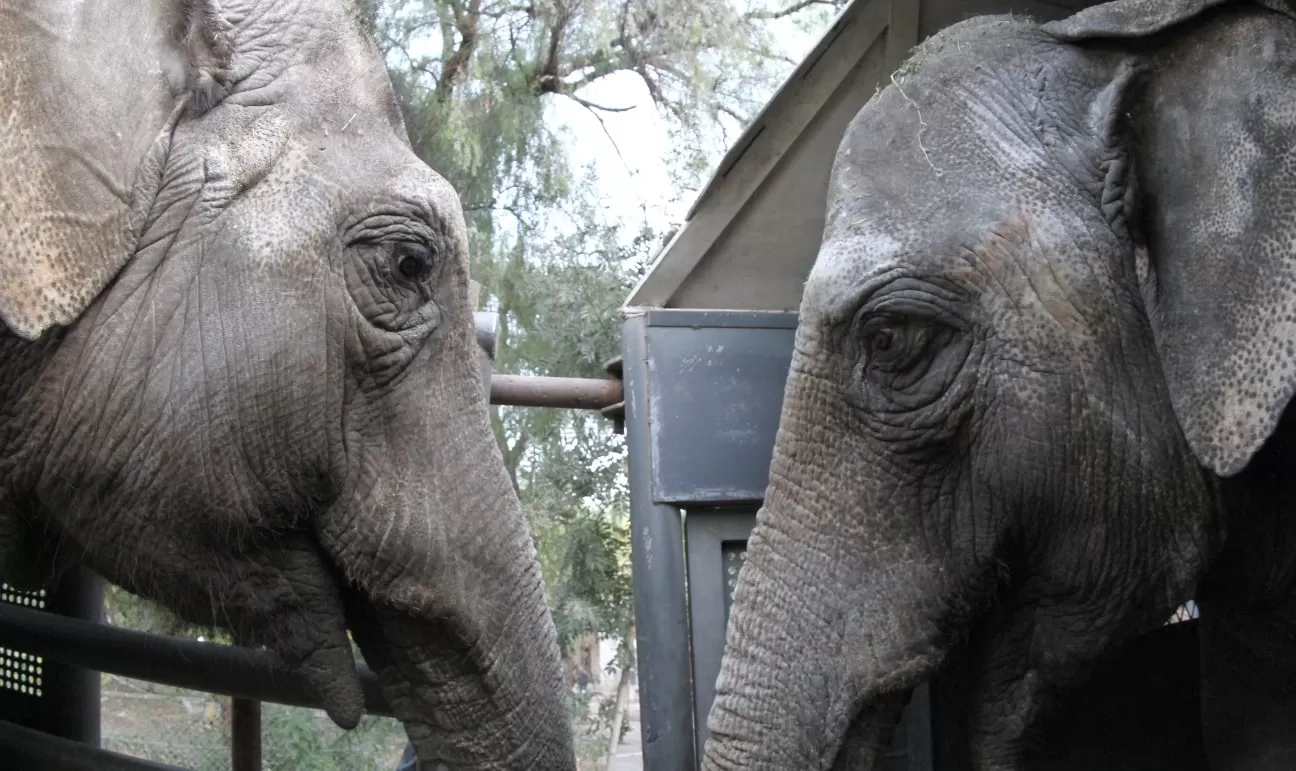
{"x":460,"y":691}
{"x":816,"y":674}
{"x":455,"y":698}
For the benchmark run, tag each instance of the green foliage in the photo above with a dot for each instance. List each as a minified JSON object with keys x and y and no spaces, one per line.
{"x":296,"y":739}
{"x":121,"y":608}
{"x":591,"y":723}
{"x":152,"y":722}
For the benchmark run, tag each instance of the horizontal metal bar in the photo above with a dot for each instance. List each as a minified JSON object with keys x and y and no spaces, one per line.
{"x":487,"y":327}
{"x":688,"y":317}
{"x":576,"y":393}
{"x":201,"y":666}
{"x":27,"y":748}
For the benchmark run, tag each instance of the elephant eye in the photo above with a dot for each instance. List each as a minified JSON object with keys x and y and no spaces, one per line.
{"x":894,"y":342}
{"x":413,"y":260}
{"x":882,"y":340}
{"x":885,"y":337}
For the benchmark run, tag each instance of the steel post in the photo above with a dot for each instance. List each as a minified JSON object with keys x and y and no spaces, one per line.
{"x":78,"y":594}
{"x":245,"y":735}
{"x":657,"y":557}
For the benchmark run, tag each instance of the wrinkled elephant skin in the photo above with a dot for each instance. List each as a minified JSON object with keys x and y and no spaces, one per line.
{"x":237,"y":361}
{"x":1039,"y":393}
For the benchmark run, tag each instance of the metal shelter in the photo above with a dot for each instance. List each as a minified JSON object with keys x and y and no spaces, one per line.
{"x":707,"y":341}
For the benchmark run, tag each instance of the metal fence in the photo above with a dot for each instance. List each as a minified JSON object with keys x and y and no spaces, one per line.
{"x":49,"y":661}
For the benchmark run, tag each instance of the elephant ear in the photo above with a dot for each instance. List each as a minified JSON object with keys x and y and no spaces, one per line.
{"x":1142,"y":18}
{"x":63,"y":216}
{"x":1215,"y":144}
{"x":85,"y":121}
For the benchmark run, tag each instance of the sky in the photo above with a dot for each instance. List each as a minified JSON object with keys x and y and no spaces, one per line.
{"x":635,"y":184}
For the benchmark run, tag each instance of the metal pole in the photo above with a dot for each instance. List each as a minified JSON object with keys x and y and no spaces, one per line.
{"x":487,"y":329}
{"x":657,"y":558}
{"x":198,"y":666}
{"x":576,"y":393}
{"x":24,"y":748}
{"x":78,"y":594}
{"x":245,"y":735}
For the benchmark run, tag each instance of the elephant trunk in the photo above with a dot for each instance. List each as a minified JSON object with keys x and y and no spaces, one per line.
{"x":838,"y":614}
{"x":445,"y":598}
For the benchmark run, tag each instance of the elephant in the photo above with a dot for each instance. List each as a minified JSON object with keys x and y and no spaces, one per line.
{"x":1038,"y":396}
{"x":238,"y":363}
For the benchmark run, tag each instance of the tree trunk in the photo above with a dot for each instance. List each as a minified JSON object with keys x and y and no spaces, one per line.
{"x":618,"y":714}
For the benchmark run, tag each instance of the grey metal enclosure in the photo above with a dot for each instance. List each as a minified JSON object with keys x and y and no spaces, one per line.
{"x":707,"y":341}
{"x":702,"y":407}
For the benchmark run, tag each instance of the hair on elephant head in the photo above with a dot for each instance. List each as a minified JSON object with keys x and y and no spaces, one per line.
{"x":1037,"y":396}
{"x":238,"y":362}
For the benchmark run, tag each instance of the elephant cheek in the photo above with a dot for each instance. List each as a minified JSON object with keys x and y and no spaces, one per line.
{"x":445,"y":598}
{"x":800,"y":688}
{"x":838,"y":615}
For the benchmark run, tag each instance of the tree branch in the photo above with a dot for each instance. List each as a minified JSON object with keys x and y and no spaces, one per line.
{"x":790,"y":10}
{"x":545,"y":78}
{"x":594,"y":107}
{"x":742,"y":120}
{"x":466,"y":24}
{"x":593,"y":110}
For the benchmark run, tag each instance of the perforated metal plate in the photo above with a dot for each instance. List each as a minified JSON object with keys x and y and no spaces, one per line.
{"x":734,"y":554}
{"x":20,"y":672}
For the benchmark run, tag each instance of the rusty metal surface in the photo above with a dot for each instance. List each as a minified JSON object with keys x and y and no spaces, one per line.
{"x":574,"y":393}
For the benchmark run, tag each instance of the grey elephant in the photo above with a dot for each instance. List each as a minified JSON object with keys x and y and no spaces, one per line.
{"x":238,"y":367}
{"x":1039,"y":394}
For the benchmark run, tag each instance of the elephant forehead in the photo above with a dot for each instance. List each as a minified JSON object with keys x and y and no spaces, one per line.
{"x":368,"y":175}
{"x":874,"y":231}
{"x":418,"y":183}
{"x":845,"y":264}
{"x":893,"y":213}
{"x":943,"y":173}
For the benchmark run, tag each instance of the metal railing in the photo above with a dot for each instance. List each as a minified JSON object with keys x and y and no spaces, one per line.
{"x":248,"y":676}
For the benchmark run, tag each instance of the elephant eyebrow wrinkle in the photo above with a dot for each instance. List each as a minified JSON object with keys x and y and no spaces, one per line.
{"x":411,"y":218}
{"x":1013,"y":246}
{"x":994,"y":252}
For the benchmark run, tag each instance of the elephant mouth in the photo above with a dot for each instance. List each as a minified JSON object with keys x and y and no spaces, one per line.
{"x":319,"y":648}
{"x":419,"y":661}
{"x":302,"y":613}
{"x":871,"y":732}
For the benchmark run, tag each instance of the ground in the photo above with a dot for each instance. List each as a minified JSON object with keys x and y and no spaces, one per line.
{"x":629,"y":756}
{"x":190,"y":729}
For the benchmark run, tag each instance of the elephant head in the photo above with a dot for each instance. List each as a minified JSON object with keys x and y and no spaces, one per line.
{"x":238,"y":360}
{"x":1050,"y":316}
